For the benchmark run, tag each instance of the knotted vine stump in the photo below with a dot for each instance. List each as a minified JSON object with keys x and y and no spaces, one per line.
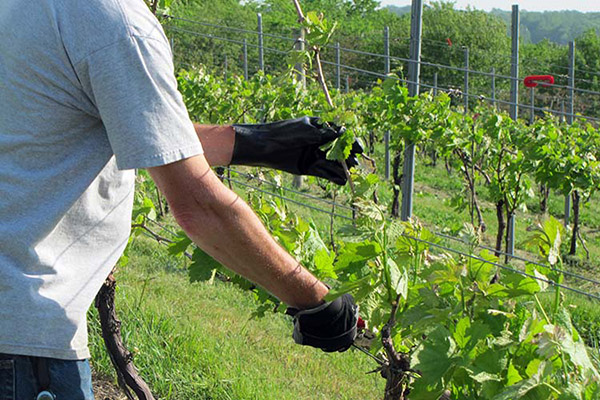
{"x":121,"y":358}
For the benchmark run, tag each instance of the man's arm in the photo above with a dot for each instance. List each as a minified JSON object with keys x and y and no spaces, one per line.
{"x":224,"y":226}
{"x":217,"y":142}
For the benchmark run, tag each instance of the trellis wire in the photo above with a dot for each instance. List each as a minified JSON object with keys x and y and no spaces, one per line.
{"x":437,"y":245}
{"x":439,"y":234}
{"x":287,"y":199}
{"x":423,"y":63}
{"x":572,"y":274}
{"x":508,"y":57}
{"x":441,"y":44}
{"x":306,"y":195}
{"x":250,"y":32}
{"x":211,"y":36}
{"x":505,"y":267}
{"x":394,"y":58}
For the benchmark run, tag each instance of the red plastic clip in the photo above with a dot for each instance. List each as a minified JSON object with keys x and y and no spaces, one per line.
{"x":531,"y":81}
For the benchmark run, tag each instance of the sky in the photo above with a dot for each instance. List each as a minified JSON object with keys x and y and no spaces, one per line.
{"x":529,"y":5}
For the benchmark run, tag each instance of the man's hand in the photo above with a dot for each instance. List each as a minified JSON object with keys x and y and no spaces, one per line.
{"x":329,"y":327}
{"x":292,"y":146}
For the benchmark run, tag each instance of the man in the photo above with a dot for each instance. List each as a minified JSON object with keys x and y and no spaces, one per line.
{"x":87,"y":95}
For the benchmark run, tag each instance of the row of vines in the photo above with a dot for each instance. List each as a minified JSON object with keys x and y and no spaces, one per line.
{"x":436,"y":323}
{"x":439,"y":324}
{"x":514,"y":160}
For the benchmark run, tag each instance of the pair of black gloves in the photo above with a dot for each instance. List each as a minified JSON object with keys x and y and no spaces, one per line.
{"x":295,"y":146}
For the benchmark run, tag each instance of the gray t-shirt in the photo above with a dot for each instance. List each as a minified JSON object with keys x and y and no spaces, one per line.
{"x":87,"y":94}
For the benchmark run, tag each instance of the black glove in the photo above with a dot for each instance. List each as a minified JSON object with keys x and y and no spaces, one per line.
{"x":329,"y":327}
{"x":292,"y":146}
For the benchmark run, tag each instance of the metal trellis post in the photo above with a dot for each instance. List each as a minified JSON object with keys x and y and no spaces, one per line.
{"x":514,"y":65}
{"x":435,"y":84}
{"x":571,"y":113}
{"x":569,"y":117}
{"x":386,"y":135}
{"x":386,"y":47}
{"x":298,"y":180}
{"x":414,"y":68}
{"x":338,"y":67}
{"x":299,"y":67}
{"x":261,"y":59}
{"x":245,"y":59}
{"x":493,"y":86}
{"x":532,"y":101}
{"x":466,"y":88}
{"x":514,"y":108}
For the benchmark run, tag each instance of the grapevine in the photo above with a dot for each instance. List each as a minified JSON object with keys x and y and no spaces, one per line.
{"x":437,"y":324}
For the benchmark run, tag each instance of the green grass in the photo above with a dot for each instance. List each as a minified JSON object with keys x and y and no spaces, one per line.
{"x":585,"y":315}
{"x":197,"y":341}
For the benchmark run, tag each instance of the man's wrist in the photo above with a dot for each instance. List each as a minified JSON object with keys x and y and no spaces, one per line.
{"x":217,"y":141}
{"x":312,"y":300}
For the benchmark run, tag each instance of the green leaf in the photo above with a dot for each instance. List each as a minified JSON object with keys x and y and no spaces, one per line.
{"x":534,"y":367}
{"x":519,"y":285}
{"x":530,"y":389}
{"x":573,"y":391}
{"x":482,"y":376}
{"x":398,"y":279}
{"x":348,"y":287}
{"x":433,"y":357}
{"x":353,"y":255}
{"x":365,"y":185}
{"x":146,"y":208}
{"x":339,"y":149}
{"x":312,"y":17}
{"x":180,"y":245}
{"x":512,"y":375}
{"x":323,"y":262}
{"x":468,"y":334}
{"x":202,"y":266}
{"x":460,"y":334}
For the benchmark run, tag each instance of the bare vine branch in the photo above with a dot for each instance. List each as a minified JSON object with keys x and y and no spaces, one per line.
{"x":160,"y":239}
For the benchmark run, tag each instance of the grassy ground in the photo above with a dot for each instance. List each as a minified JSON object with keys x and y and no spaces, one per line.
{"x":196,"y":341}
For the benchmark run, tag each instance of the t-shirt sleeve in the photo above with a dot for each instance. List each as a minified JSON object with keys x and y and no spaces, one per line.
{"x":133,"y":86}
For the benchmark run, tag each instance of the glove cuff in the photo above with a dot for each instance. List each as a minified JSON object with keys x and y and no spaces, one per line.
{"x":248,"y":148}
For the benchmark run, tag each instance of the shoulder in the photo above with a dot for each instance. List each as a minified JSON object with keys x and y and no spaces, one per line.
{"x":88,"y":26}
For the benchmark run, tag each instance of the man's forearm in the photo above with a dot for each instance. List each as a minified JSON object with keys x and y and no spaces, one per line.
{"x":223,"y":225}
{"x":217,"y":142}
{"x":238,"y":240}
